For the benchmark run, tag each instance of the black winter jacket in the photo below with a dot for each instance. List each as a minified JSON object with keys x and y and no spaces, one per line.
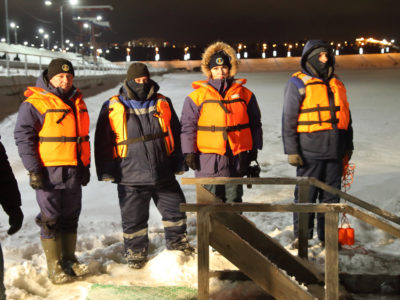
{"x":146,"y":162}
{"x":10,"y":198}
{"x":327,"y":144}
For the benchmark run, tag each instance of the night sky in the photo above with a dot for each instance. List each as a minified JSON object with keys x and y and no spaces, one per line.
{"x":202,"y":22}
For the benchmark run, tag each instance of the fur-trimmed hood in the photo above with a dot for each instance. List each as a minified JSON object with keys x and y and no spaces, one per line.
{"x":214,"y":48}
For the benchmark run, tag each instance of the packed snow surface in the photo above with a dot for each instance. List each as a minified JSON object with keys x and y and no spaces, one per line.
{"x":375,"y":107}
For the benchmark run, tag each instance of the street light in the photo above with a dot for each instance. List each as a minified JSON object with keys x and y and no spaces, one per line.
{"x":41,"y":33}
{"x":47,"y":37}
{"x":15,"y":26}
{"x":71,"y":2}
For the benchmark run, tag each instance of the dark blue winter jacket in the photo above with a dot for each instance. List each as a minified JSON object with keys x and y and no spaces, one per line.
{"x":26,"y":134}
{"x":327,"y":144}
{"x":146,"y":162}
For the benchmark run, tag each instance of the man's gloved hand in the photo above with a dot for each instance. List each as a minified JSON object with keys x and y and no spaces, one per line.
{"x":36,"y":181}
{"x":244,"y":162}
{"x":295,"y":160}
{"x":15,"y":219}
{"x":85,"y":176}
{"x":253,"y":155}
{"x":192,"y":161}
{"x":349,"y":154}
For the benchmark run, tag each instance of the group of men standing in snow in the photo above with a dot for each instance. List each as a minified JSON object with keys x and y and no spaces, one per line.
{"x":141,"y":145}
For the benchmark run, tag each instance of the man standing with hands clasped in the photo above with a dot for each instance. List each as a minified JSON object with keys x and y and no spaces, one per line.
{"x":316,"y":127}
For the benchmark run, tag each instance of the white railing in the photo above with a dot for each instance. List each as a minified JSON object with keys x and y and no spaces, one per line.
{"x":15,"y":63}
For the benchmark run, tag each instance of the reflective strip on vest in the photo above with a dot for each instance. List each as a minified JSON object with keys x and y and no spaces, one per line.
{"x":141,"y":111}
{"x":129,"y":236}
{"x":316,"y":112}
{"x":174,"y":224}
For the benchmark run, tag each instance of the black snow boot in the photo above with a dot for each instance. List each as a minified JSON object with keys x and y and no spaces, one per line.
{"x":182,"y":245}
{"x":136,"y":259}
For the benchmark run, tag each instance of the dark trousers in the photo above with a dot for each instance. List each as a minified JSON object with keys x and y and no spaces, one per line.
{"x":229,"y":193}
{"x":59,"y":211}
{"x":327,"y":171}
{"x":134,"y":202}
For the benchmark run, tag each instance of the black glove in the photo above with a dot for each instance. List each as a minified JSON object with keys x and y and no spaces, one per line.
{"x":349,"y":154}
{"x":36,"y":181}
{"x":15,"y":218}
{"x":253,"y":155}
{"x":192,"y":161}
{"x":243,"y":163}
{"x":85,"y":176}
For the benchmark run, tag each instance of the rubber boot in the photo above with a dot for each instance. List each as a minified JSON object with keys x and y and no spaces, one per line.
{"x":52,"y":250}
{"x":70,"y":263}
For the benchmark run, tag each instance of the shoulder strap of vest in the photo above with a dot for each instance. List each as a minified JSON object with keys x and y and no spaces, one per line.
{"x":161,"y":97}
{"x":114,"y":99}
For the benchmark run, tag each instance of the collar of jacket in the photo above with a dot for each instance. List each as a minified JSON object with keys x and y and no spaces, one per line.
{"x":127,"y":94}
{"x":38,"y":90}
{"x":206,"y":84}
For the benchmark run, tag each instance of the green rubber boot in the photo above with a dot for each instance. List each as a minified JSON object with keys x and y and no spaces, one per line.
{"x":52,"y":250}
{"x":69,"y":261}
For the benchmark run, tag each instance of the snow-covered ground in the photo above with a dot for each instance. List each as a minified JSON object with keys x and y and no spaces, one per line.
{"x":375,"y":105}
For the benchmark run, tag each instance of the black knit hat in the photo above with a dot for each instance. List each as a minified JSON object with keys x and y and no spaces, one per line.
{"x":137,"y":70}
{"x":220,"y":58}
{"x":59,"y":65}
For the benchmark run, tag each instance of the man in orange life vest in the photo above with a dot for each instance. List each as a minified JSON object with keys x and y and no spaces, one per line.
{"x":137,"y":146}
{"x":52,"y":135}
{"x":316,"y":127}
{"x":221,"y":123}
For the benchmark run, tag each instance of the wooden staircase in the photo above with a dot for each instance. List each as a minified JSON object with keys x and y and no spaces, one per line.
{"x":263,"y":259}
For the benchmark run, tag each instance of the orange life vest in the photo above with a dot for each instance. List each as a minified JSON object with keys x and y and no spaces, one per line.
{"x":316,"y":113}
{"x":117,"y":116}
{"x":222,"y":119}
{"x":63,"y":137}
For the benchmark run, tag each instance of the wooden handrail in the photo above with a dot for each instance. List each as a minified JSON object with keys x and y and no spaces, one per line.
{"x":292,"y":181}
{"x":209,"y":204}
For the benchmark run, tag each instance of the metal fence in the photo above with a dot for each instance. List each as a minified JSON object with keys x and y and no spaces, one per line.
{"x":15,"y":63}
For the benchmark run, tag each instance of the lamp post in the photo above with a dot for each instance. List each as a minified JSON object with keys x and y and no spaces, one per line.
{"x":41,"y":33}
{"x":7,"y":29}
{"x":15,"y":27}
{"x":71,"y":2}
